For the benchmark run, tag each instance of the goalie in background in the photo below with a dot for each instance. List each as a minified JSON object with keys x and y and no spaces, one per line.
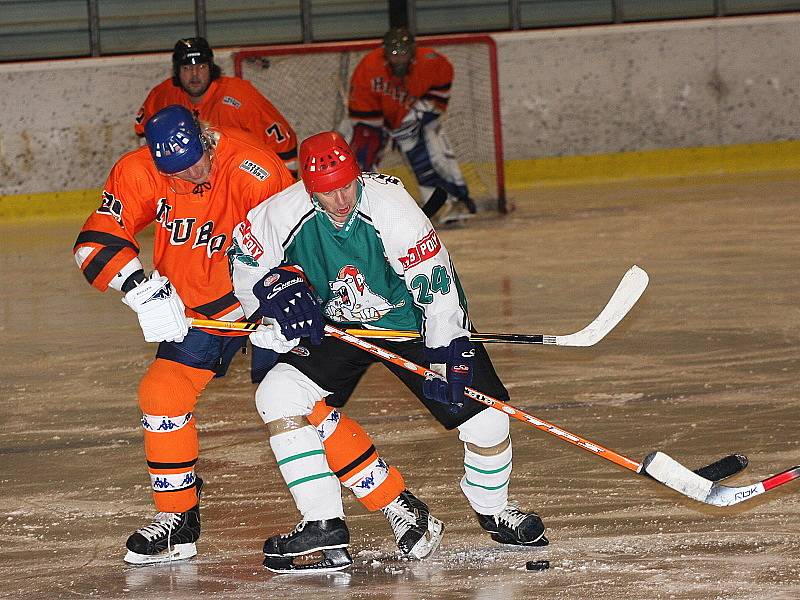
{"x":400,"y":91}
{"x":198,"y":84}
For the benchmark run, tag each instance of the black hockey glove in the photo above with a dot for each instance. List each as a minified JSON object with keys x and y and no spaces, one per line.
{"x":456,"y":362}
{"x":284,"y":295}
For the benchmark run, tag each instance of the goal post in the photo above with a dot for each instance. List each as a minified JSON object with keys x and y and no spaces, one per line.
{"x":309,"y":83}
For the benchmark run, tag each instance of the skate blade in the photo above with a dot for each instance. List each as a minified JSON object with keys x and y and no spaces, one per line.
{"x":177,"y":552}
{"x":540,"y":541}
{"x":430,"y":541}
{"x":334,"y":559}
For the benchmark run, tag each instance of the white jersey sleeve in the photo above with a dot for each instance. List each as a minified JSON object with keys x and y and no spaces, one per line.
{"x":416,"y":254}
{"x":257,"y":245}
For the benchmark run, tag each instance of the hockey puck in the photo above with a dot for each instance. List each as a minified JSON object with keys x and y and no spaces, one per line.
{"x":537,"y":565}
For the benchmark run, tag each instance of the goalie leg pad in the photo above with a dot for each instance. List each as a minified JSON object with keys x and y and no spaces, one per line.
{"x":354,"y":460}
{"x":434,"y":164}
{"x":167,"y":395}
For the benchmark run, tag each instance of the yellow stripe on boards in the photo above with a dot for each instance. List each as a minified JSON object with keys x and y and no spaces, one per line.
{"x":651,"y":164}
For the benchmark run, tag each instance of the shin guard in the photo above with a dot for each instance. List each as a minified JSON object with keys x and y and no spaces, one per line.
{"x":167,"y":395}
{"x":487,"y":472}
{"x":354,"y":459}
{"x":302,"y":463}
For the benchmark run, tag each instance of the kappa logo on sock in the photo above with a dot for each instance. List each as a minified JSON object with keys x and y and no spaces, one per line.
{"x":300,"y":351}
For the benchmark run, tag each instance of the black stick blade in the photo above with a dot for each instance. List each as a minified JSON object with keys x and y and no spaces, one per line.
{"x":723,"y":468}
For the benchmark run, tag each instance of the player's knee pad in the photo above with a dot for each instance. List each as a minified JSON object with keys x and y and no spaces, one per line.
{"x":170,"y":388}
{"x":487,"y":429}
{"x":285,"y":392}
{"x":354,"y":460}
{"x":487,"y":460}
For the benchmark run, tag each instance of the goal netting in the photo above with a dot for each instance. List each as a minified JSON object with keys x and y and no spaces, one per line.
{"x":309,"y":83}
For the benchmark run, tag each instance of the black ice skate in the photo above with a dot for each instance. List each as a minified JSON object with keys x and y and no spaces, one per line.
{"x":512,"y":526}
{"x":170,"y":537}
{"x":417,"y":532}
{"x":330,"y":537}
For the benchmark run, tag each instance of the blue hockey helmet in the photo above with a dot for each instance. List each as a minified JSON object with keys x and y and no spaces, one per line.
{"x":174,"y":138}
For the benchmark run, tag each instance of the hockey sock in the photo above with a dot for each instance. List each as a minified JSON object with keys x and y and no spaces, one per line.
{"x":486,"y":475}
{"x":167,"y":395}
{"x":354,"y":459}
{"x":301,"y":460}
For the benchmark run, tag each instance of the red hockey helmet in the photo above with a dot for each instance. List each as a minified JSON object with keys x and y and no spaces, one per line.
{"x":326,"y":162}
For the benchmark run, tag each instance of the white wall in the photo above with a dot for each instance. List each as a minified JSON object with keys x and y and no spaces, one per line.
{"x":566,"y":91}
{"x":657,"y":85}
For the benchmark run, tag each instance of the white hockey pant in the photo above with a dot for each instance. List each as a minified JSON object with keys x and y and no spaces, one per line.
{"x":284,"y":399}
{"x":487,"y":461}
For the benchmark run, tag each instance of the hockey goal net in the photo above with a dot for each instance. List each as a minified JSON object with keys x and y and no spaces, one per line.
{"x":308,"y":83}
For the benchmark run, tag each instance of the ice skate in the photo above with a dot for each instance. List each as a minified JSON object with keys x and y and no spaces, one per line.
{"x":170,"y":537}
{"x":451,"y":213}
{"x":512,"y":526}
{"x":417,"y":533}
{"x":330,"y":537}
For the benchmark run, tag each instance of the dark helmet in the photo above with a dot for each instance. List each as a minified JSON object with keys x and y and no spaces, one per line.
{"x":399,"y":41}
{"x":192,"y":51}
{"x":174,"y":138}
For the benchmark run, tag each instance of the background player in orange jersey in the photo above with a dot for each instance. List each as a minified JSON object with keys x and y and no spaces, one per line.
{"x":195,"y":184}
{"x":198,"y":84}
{"x":400,"y":91}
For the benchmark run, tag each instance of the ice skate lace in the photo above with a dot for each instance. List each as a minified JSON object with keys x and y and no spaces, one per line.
{"x":297,"y":529}
{"x":401,"y":518}
{"x":163,"y":524}
{"x":511,"y":516}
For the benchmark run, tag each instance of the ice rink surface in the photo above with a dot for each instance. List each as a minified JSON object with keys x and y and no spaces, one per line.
{"x":705,"y":365}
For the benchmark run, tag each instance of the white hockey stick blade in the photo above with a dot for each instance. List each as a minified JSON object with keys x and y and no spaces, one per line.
{"x":671,"y":473}
{"x":628,"y":292}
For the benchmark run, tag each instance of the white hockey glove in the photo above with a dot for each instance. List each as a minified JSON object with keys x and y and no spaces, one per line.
{"x":271,"y":338}
{"x":159,"y":308}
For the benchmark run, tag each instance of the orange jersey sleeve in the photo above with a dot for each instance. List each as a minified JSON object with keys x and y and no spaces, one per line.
{"x":378,"y":97}
{"x":193,"y":224}
{"x":107,"y":242}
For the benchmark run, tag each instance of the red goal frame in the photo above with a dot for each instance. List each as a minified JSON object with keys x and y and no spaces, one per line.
{"x":317,"y":48}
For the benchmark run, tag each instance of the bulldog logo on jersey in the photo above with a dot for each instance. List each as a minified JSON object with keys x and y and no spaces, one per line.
{"x":353,"y":300}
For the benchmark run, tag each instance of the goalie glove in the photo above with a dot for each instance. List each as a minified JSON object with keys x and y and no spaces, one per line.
{"x":159,"y":308}
{"x":284,"y":295}
{"x":367,"y":144}
{"x":456,"y":363}
{"x":269,"y":336}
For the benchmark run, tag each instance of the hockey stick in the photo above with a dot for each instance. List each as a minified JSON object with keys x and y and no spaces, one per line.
{"x":629,"y":290}
{"x":435,"y":202}
{"x":657,"y":465}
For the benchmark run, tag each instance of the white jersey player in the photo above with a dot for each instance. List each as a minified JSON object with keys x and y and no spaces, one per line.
{"x":373,"y":260}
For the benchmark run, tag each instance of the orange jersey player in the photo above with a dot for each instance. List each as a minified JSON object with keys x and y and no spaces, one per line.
{"x":195,"y":185}
{"x":230,"y":102}
{"x":400,"y":90}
